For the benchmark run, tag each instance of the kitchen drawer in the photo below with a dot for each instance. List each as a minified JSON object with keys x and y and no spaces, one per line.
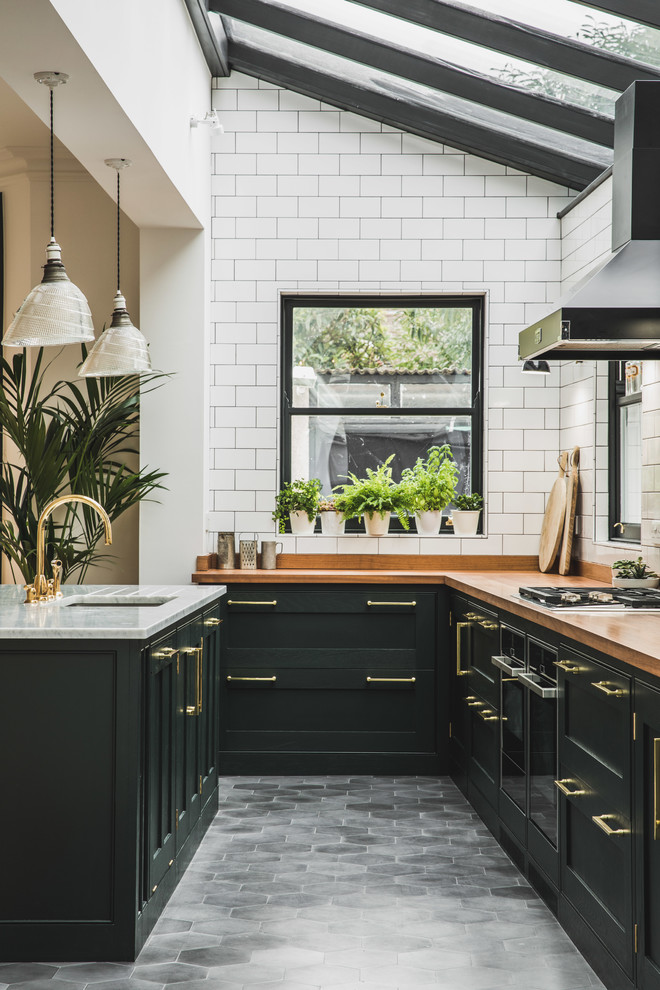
{"x":327,"y":711}
{"x":595,"y":726}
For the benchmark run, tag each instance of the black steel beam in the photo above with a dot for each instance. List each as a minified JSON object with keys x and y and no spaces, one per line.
{"x":270,"y":15}
{"x":522,"y":40}
{"x":476,"y":130}
{"x":211,"y":36}
{"x":645,"y":11}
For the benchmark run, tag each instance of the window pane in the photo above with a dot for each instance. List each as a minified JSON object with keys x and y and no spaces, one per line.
{"x":630,"y":425}
{"x":329,"y":447}
{"x":382,"y":357}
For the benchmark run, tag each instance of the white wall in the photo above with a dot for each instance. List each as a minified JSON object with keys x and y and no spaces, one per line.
{"x":307,"y":197}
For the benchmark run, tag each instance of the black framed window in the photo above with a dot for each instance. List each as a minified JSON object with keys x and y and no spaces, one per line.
{"x":625,"y":447}
{"x":369,"y":376}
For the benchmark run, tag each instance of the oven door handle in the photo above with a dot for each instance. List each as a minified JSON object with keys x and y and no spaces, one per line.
{"x":503,"y":664}
{"x":543,"y":692}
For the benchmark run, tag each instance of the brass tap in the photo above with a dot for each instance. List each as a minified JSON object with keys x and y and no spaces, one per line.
{"x":43,"y":589}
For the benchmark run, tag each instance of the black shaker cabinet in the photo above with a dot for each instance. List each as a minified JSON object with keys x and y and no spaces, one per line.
{"x":330,"y":679}
{"x":107,"y":745}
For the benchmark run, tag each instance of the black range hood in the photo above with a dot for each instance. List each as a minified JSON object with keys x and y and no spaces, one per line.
{"x":614,"y":313}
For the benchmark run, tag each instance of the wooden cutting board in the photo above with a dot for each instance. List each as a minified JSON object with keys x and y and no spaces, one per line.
{"x":569,"y":523}
{"x":555,"y":517}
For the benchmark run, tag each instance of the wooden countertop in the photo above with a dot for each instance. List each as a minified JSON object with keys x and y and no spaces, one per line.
{"x":631,"y":637}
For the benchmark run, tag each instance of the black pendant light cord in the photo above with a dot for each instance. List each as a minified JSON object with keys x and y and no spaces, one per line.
{"x":52,"y":171}
{"x":118,"y":289}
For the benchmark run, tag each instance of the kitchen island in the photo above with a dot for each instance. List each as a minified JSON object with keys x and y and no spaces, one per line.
{"x":108,"y":730}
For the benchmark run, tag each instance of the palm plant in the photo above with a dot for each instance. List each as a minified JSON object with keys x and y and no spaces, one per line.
{"x":60,"y":439}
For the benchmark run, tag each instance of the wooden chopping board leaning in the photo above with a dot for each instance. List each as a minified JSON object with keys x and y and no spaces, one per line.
{"x":554,"y":518}
{"x":571,"y":502}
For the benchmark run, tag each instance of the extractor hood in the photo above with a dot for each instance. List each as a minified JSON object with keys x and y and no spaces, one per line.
{"x":614,"y":313}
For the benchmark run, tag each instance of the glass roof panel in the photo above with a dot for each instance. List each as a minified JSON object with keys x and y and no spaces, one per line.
{"x":371,"y":78}
{"x":475,"y":58}
{"x":570,"y":19}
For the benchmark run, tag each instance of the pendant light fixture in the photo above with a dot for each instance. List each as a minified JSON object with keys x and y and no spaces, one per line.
{"x":55,"y":312}
{"x":121,"y":349}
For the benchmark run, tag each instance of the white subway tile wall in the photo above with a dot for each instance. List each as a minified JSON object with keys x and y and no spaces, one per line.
{"x":308,"y":198}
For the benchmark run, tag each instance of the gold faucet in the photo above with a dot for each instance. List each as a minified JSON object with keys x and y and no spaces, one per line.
{"x":43,"y":590}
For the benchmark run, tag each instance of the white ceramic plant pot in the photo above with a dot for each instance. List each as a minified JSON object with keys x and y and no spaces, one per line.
{"x":300,"y":524}
{"x":465,"y":521}
{"x":332,"y":523}
{"x":377,"y":523}
{"x":649,"y":582}
{"x":428,"y":522}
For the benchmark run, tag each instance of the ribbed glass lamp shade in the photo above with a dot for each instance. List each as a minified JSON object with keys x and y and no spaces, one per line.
{"x":120,"y":350}
{"x":55,"y":312}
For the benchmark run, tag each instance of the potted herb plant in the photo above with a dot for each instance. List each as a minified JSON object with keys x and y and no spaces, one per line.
{"x":466,"y":511}
{"x":375,"y":497}
{"x":633,"y":574}
{"x":331,"y":510}
{"x":298,"y":501}
{"x":431,"y":484}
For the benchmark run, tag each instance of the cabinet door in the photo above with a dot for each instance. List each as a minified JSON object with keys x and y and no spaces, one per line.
{"x":596,"y":782}
{"x":459,"y":748}
{"x":189,"y":691}
{"x":208,"y":725}
{"x":647,"y":816}
{"x":161,"y":759}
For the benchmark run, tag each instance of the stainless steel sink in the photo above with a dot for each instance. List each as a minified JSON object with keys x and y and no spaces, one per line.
{"x":118,"y":601}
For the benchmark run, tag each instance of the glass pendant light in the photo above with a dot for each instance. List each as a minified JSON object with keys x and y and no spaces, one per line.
{"x":55,"y":312}
{"x":121,"y":349}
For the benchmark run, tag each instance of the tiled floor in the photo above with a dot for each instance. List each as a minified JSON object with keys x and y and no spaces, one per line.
{"x":342,"y":883}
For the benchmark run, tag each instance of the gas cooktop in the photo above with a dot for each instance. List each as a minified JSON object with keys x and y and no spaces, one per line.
{"x":603,"y":599}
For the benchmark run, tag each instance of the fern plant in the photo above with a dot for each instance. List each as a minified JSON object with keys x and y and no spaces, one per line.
{"x":297,"y":496}
{"x":431,"y":483}
{"x":67,"y":438}
{"x":376,"y":494}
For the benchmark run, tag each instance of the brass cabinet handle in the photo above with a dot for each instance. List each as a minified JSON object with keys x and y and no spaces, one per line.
{"x":601,"y":822}
{"x":489,"y":716}
{"x":606,"y":689}
{"x":390,"y":680}
{"x":565,"y":665}
{"x":656,"y":789}
{"x":165,"y":653}
{"x":230,"y":678}
{"x":562,"y":785}
{"x":459,"y":672}
{"x":489,"y":625}
{"x":212,"y":622}
{"x":251,"y":603}
{"x":472,"y":616}
{"x":391,"y":603}
{"x":196,"y":709}
{"x":473,"y":702}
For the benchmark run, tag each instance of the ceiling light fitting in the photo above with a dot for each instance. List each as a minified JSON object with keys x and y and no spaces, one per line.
{"x":55,"y":312}
{"x":536,"y":368}
{"x":208,"y":119}
{"x":121,"y":349}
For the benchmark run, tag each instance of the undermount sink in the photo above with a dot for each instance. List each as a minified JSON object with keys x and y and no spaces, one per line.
{"x":118,"y":601}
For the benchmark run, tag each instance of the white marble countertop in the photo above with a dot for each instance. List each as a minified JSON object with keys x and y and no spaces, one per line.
{"x":75,"y":616}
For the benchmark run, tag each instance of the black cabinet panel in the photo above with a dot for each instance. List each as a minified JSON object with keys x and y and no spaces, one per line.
{"x":647,"y":810}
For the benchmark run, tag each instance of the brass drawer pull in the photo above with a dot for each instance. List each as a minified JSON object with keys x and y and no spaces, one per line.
{"x":564,"y":665}
{"x":473,"y":702}
{"x":230,"y":678}
{"x":601,"y":822}
{"x":489,"y":625}
{"x":606,"y":689}
{"x":390,"y":680}
{"x":212,"y":622}
{"x":251,"y":603}
{"x":656,"y":767}
{"x":563,"y":787}
{"x":459,"y":672}
{"x":473,"y":617}
{"x":391,"y":603}
{"x":488,"y":716}
{"x":165,"y":653}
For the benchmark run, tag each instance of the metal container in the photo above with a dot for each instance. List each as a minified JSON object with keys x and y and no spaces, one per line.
{"x":269,"y":554}
{"x":248,"y":553}
{"x":226,"y":551}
